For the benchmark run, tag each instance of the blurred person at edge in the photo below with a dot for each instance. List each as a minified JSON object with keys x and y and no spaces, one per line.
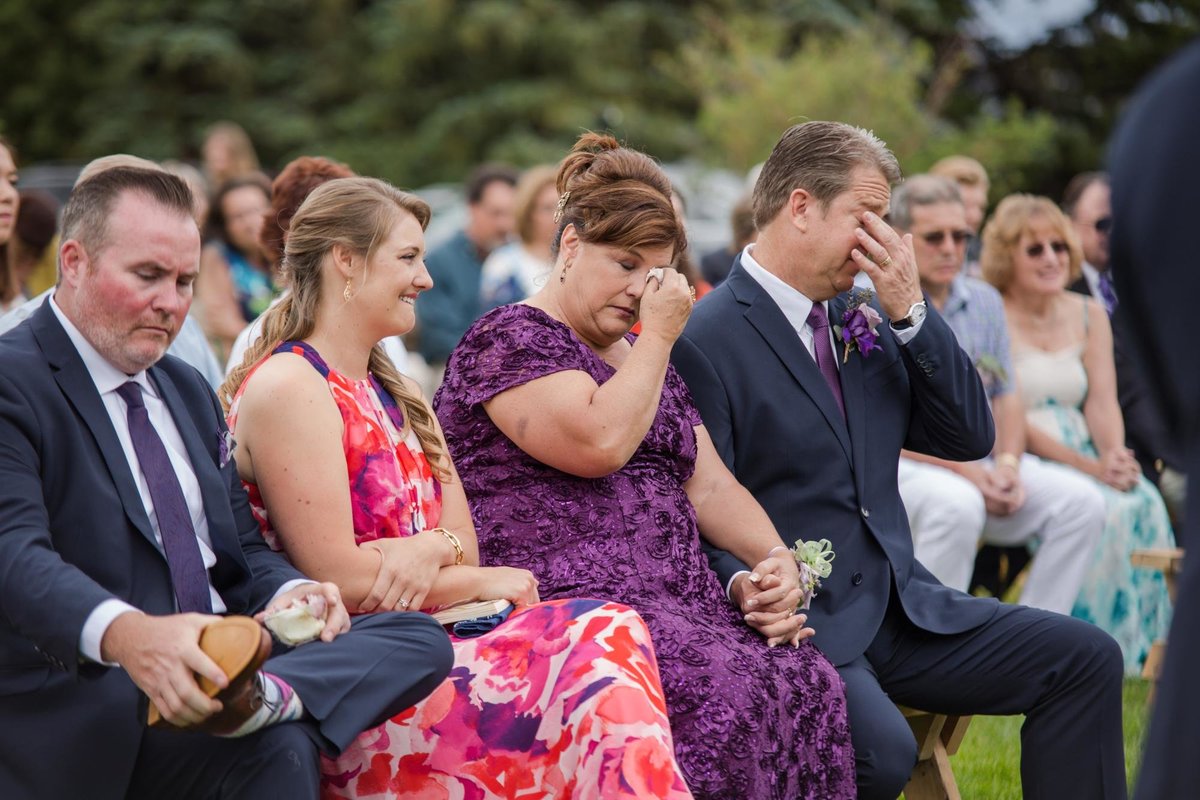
{"x":227,"y":153}
{"x":195,"y":181}
{"x":1062,"y":356}
{"x":715,"y":266}
{"x":518,"y":269}
{"x":1088,"y":202}
{"x":35,"y":231}
{"x":973,"y":185}
{"x":294,"y":183}
{"x":235,"y":283}
{"x":10,"y":201}
{"x":189,"y":345}
{"x":445,"y":311}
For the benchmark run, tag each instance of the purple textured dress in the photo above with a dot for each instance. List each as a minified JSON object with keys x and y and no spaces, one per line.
{"x":749,"y":721}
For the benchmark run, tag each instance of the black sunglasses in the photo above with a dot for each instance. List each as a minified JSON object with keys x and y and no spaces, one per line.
{"x":1036,"y":250}
{"x":1104,"y":224}
{"x":935,"y":238}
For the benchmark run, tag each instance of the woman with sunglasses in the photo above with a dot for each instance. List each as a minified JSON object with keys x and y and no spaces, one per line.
{"x":1062,"y":354}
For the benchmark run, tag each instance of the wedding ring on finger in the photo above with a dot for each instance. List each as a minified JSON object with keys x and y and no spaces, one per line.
{"x":404,"y":604}
{"x":885,"y":262}
{"x":657,"y":274}
{"x":692,"y":292}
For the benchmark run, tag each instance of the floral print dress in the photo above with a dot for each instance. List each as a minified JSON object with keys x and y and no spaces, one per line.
{"x":563,"y":700}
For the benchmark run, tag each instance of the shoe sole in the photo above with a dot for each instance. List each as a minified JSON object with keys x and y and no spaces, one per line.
{"x":238,"y":645}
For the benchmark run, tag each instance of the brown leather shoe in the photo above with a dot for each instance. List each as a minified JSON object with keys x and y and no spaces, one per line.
{"x":240,"y":646}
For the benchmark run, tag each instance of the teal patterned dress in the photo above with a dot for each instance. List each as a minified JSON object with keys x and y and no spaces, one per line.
{"x":1129,"y":602}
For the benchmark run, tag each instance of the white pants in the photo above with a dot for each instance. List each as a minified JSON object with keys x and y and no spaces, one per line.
{"x":1063,"y":513}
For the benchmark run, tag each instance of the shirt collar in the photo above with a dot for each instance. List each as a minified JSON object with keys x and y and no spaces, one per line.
{"x":959,"y":297}
{"x":106,"y":377}
{"x":794,"y":305}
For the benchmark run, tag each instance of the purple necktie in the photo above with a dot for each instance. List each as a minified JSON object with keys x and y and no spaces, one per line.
{"x":818,"y":320}
{"x":180,"y":544}
{"x":1107,"y":292}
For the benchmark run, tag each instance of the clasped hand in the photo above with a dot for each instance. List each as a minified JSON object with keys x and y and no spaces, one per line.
{"x":768,"y":597}
{"x":1118,"y":468}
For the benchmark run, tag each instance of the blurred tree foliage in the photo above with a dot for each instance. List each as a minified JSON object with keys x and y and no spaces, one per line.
{"x":419,"y":90}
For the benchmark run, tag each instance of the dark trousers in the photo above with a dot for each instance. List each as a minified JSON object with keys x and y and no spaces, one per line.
{"x":1063,"y":674}
{"x":383,"y":665}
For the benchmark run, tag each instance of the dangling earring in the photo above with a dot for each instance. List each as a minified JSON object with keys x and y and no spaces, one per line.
{"x":562,"y":276}
{"x":346,"y":292}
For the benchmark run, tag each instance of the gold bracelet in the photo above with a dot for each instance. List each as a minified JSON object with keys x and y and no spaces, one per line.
{"x":454,"y":542}
{"x":1008,"y":460}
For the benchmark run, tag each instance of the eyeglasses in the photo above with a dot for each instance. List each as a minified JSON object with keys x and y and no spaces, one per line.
{"x":935,"y":238}
{"x":1104,"y":224}
{"x":1036,"y":250}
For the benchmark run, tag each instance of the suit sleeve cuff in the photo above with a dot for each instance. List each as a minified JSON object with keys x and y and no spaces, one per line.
{"x":97,"y":625}
{"x":729,"y":585}
{"x":905,"y":335}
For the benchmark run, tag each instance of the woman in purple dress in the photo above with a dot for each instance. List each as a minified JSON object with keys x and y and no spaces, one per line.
{"x":586,"y":462}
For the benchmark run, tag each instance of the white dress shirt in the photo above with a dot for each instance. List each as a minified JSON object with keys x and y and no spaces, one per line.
{"x":108,"y":379}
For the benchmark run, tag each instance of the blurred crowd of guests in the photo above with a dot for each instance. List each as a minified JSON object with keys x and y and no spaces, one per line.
{"x":1083,"y":471}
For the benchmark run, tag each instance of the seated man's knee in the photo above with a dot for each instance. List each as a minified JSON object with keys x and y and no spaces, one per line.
{"x":884,"y":761}
{"x":1093,"y":656}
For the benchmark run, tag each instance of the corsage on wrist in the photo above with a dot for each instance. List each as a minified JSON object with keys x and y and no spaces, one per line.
{"x":814,"y":558}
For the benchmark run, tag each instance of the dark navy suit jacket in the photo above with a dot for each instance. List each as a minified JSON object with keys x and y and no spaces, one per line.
{"x":74,"y":532}
{"x":776,"y":425}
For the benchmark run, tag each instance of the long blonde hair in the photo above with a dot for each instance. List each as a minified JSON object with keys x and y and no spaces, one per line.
{"x":357,"y":213}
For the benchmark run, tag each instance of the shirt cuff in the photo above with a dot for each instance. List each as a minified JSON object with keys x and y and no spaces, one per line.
{"x":292,"y":584}
{"x":729,"y":586}
{"x":96,"y":626}
{"x":905,"y":335}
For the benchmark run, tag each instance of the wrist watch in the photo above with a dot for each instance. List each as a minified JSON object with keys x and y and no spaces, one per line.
{"x":916,"y":313}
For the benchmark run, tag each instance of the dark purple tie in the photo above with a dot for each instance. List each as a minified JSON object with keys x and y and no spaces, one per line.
{"x":188,"y":575}
{"x":818,"y":320}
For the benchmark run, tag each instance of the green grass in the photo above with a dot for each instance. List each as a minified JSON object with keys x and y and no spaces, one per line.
{"x":988,"y":763}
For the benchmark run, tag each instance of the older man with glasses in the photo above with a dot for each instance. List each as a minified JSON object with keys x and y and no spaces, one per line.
{"x":1009,"y":498}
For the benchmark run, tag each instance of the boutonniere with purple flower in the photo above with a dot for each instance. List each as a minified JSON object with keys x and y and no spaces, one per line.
{"x":859,"y":322}
{"x":815,"y":560}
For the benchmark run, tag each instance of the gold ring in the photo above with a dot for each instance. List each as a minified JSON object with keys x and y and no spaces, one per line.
{"x":886,"y":261}
{"x":692,"y":292}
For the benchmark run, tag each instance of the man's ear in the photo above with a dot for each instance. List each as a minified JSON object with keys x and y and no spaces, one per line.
{"x":72,"y":262}
{"x":800,"y":208}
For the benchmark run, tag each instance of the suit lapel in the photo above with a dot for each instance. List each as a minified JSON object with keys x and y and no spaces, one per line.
{"x":77,"y":385}
{"x":853,"y":395}
{"x":766,"y":317}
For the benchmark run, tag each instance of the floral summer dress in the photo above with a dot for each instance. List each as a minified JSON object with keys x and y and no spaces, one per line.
{"x":563,"y":700}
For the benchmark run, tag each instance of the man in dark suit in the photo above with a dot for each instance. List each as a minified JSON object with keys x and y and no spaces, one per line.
{"x":815,"y":434}
{"x":1088,"y":202}
{"x":124,"y":530}
{"x":1156,"y":190}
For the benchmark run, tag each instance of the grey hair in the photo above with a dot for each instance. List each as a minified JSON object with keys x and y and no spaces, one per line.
{"x":819,"y":158}
{"x":920,"y":190}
